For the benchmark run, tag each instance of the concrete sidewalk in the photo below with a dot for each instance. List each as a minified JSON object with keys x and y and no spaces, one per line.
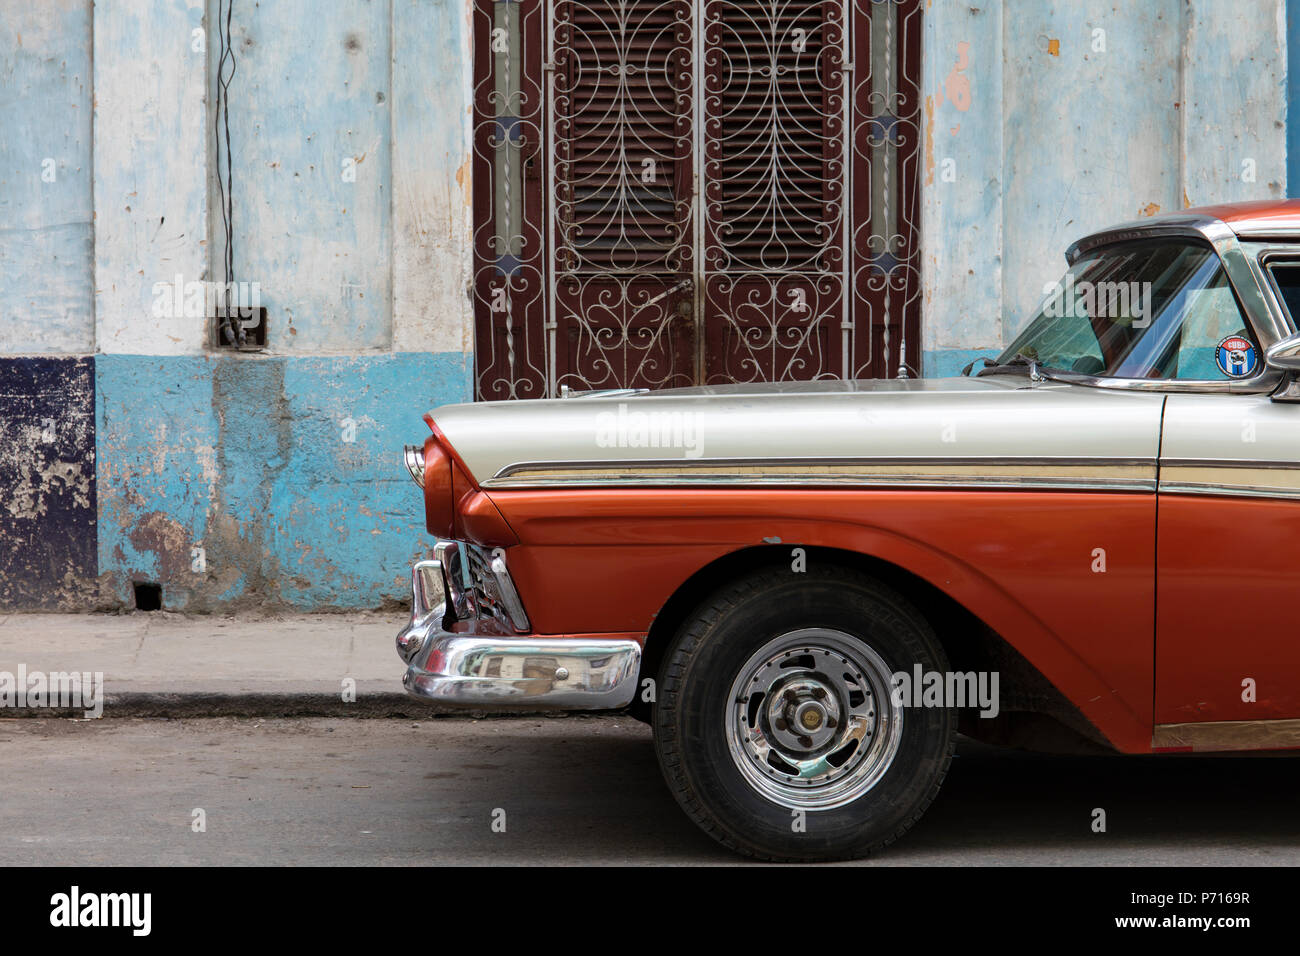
{"x":166,"y":664}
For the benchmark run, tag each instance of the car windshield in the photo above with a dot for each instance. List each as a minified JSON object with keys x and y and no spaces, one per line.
{"x":1150,"y":308}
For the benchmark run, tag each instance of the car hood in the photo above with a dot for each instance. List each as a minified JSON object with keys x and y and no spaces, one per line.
{"x":506,"y":444}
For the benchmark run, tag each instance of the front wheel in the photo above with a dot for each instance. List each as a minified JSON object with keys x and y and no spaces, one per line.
{"x":775,"y":725}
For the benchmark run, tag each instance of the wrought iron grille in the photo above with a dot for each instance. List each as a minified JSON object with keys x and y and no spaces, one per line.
{"x":677,"y":192}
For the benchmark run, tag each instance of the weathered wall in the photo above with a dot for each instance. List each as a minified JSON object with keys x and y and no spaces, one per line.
{"x":45,"y":175}
{"x":145,"y":456}
{"x":1044,"y":121}
{"x":274,"y":480}
{"x":48,"y":513}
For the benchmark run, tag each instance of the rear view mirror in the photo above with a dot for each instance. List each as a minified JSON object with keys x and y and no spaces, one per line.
{"x":1284,"y":355}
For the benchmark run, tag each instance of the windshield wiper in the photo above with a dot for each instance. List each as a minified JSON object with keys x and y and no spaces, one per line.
{"x":1037,"y":373}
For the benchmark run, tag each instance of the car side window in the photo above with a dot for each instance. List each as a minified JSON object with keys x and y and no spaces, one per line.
{"x":1211,"y":317}
{"x":1286,"y":276}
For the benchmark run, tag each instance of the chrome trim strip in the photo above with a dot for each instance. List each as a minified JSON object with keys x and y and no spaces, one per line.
{"x":1228,"y":477}
{"x":1228,"y":491}
{"x":1260,"y":384}
{"x":1229,"y":463}
{"x":1085,"y":474}
{"x":849,"y":481}
{"x":1092,"y":474}
{"x":884,"y":461}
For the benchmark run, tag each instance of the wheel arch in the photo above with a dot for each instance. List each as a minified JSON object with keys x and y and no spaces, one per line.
{"x":1036,"y":714}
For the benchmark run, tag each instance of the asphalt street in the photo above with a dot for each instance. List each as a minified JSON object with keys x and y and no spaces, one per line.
{"x":581,"y":790}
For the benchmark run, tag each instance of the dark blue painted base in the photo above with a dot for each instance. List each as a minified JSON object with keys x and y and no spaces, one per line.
{"x":48,"y":499}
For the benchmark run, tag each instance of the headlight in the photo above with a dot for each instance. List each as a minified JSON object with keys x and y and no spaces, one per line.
{"x":413,"y":455}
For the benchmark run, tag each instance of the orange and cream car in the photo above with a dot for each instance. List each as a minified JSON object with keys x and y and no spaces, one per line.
{"x":808,"y":589}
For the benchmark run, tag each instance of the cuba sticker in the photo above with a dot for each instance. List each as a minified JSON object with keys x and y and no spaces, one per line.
{"x":1235,"y":356}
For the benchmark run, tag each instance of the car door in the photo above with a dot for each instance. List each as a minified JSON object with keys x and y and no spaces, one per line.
{"x":1228,"y":578}
{"x":1227,"y":662}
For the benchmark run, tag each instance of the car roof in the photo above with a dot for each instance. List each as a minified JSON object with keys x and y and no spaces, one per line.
{"x":1259,"y":219}
{"x":1263,"y":216}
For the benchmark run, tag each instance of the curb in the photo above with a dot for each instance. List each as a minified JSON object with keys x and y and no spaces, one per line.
{"x":369,"y":706}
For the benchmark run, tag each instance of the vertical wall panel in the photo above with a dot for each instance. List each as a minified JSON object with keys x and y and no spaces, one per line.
{"x":1234,"y":136}
{"x":1091,"y":131}
{"x":310,"y":136}
{"x":961,"y":182}
{"x":150,"y":166}
{"x":1107,"y":113}
{"x":46,"y":303}
{"x":432,"y":211}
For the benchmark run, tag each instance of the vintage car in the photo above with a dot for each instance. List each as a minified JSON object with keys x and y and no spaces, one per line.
{"x":808,"y":589}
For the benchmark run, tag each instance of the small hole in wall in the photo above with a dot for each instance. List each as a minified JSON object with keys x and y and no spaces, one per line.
{"x":243,"y":330}
{"x":148,"y":597}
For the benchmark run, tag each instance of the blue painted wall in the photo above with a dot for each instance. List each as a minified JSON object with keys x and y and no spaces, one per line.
{"x":285,"y":471}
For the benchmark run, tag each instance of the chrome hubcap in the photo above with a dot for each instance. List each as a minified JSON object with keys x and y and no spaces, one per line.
{"x":810,"y":723}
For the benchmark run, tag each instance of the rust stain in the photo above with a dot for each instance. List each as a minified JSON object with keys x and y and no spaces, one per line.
{"x":1054,"y":46}
{"x":167,"y":539}
{"x":462,"y":180}
{"x":929,"y":140}
{"x":1150,"y":209}
{"x":957,"y":84}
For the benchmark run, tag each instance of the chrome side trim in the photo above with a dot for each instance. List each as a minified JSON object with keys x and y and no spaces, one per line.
{"x":1230,"y":477}
{"x":851,"y":481}
{"x":1045,"y":460}
{"x":1229,"y":463}
{"x":1260,"y":384}
{"x":1093,"y":474}
{"x":1228,"y":491}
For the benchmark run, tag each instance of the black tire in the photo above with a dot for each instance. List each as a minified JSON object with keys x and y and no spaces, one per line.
{"x":722,"y":638}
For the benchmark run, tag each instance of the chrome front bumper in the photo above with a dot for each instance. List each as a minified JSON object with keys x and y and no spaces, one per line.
{"x":472,"y":659}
